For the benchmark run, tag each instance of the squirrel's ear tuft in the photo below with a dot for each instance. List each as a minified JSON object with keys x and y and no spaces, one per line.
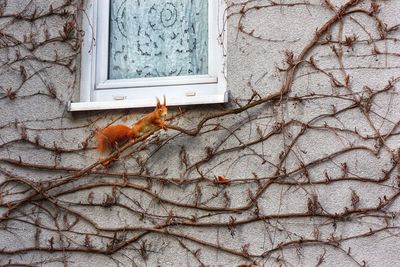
{"x":158,"y":102}
{"x":165,"y":101}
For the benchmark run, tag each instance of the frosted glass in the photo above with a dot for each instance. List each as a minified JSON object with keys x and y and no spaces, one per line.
{"x":150,"y":38}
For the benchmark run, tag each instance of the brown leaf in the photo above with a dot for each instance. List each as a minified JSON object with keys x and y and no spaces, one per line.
{"x":220,"y":179}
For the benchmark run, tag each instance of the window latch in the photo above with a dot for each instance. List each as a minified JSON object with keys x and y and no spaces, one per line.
{"x":119,"y":97}
{"x":190,"y":93}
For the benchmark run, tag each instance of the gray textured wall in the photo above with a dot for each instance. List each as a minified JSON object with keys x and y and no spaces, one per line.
{"x":313,"y":167}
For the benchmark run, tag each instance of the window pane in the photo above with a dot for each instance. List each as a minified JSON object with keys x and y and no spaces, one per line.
{"x":153,"y":38}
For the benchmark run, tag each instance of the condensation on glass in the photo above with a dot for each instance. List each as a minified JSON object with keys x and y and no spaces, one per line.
{"x":153,"y":38}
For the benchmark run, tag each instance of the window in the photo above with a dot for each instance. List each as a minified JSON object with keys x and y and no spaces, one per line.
{"x":135,"y":50}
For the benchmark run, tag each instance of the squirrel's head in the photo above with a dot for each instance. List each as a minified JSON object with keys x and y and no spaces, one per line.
{"x":161,"y":109}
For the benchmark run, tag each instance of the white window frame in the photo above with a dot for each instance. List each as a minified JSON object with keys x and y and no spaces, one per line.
{"x":99,"y":93}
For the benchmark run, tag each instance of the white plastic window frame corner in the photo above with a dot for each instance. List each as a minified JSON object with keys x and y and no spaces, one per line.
{"x":99,"y":93}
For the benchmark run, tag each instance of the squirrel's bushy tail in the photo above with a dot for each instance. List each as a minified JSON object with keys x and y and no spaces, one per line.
{"x":102,"y":143}
{"x":110,"y":135}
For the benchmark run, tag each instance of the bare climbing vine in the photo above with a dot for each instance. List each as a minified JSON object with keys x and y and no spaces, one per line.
{"x":307,"y":167}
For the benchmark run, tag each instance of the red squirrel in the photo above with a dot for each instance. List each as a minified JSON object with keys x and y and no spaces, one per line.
{"x":108,"y":137}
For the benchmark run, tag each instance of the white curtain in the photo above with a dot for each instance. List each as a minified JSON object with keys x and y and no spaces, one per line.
{"x":153,"y":38}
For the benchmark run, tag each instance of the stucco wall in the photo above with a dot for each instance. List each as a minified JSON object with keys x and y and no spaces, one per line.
{"x":310,"y":147}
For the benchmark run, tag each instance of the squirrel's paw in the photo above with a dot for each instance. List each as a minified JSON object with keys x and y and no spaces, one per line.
{"x":164,"y":126}
{"x":107,"y":163}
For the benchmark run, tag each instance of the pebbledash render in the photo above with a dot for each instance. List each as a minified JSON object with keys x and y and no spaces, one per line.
{"x":282,"y":145}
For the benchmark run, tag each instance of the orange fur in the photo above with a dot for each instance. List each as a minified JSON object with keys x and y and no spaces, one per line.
{"x":109,"y":136}
{"x":151,"y":121}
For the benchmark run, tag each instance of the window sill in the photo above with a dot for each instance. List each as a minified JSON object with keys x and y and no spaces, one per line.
{"x":149,"y":102}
